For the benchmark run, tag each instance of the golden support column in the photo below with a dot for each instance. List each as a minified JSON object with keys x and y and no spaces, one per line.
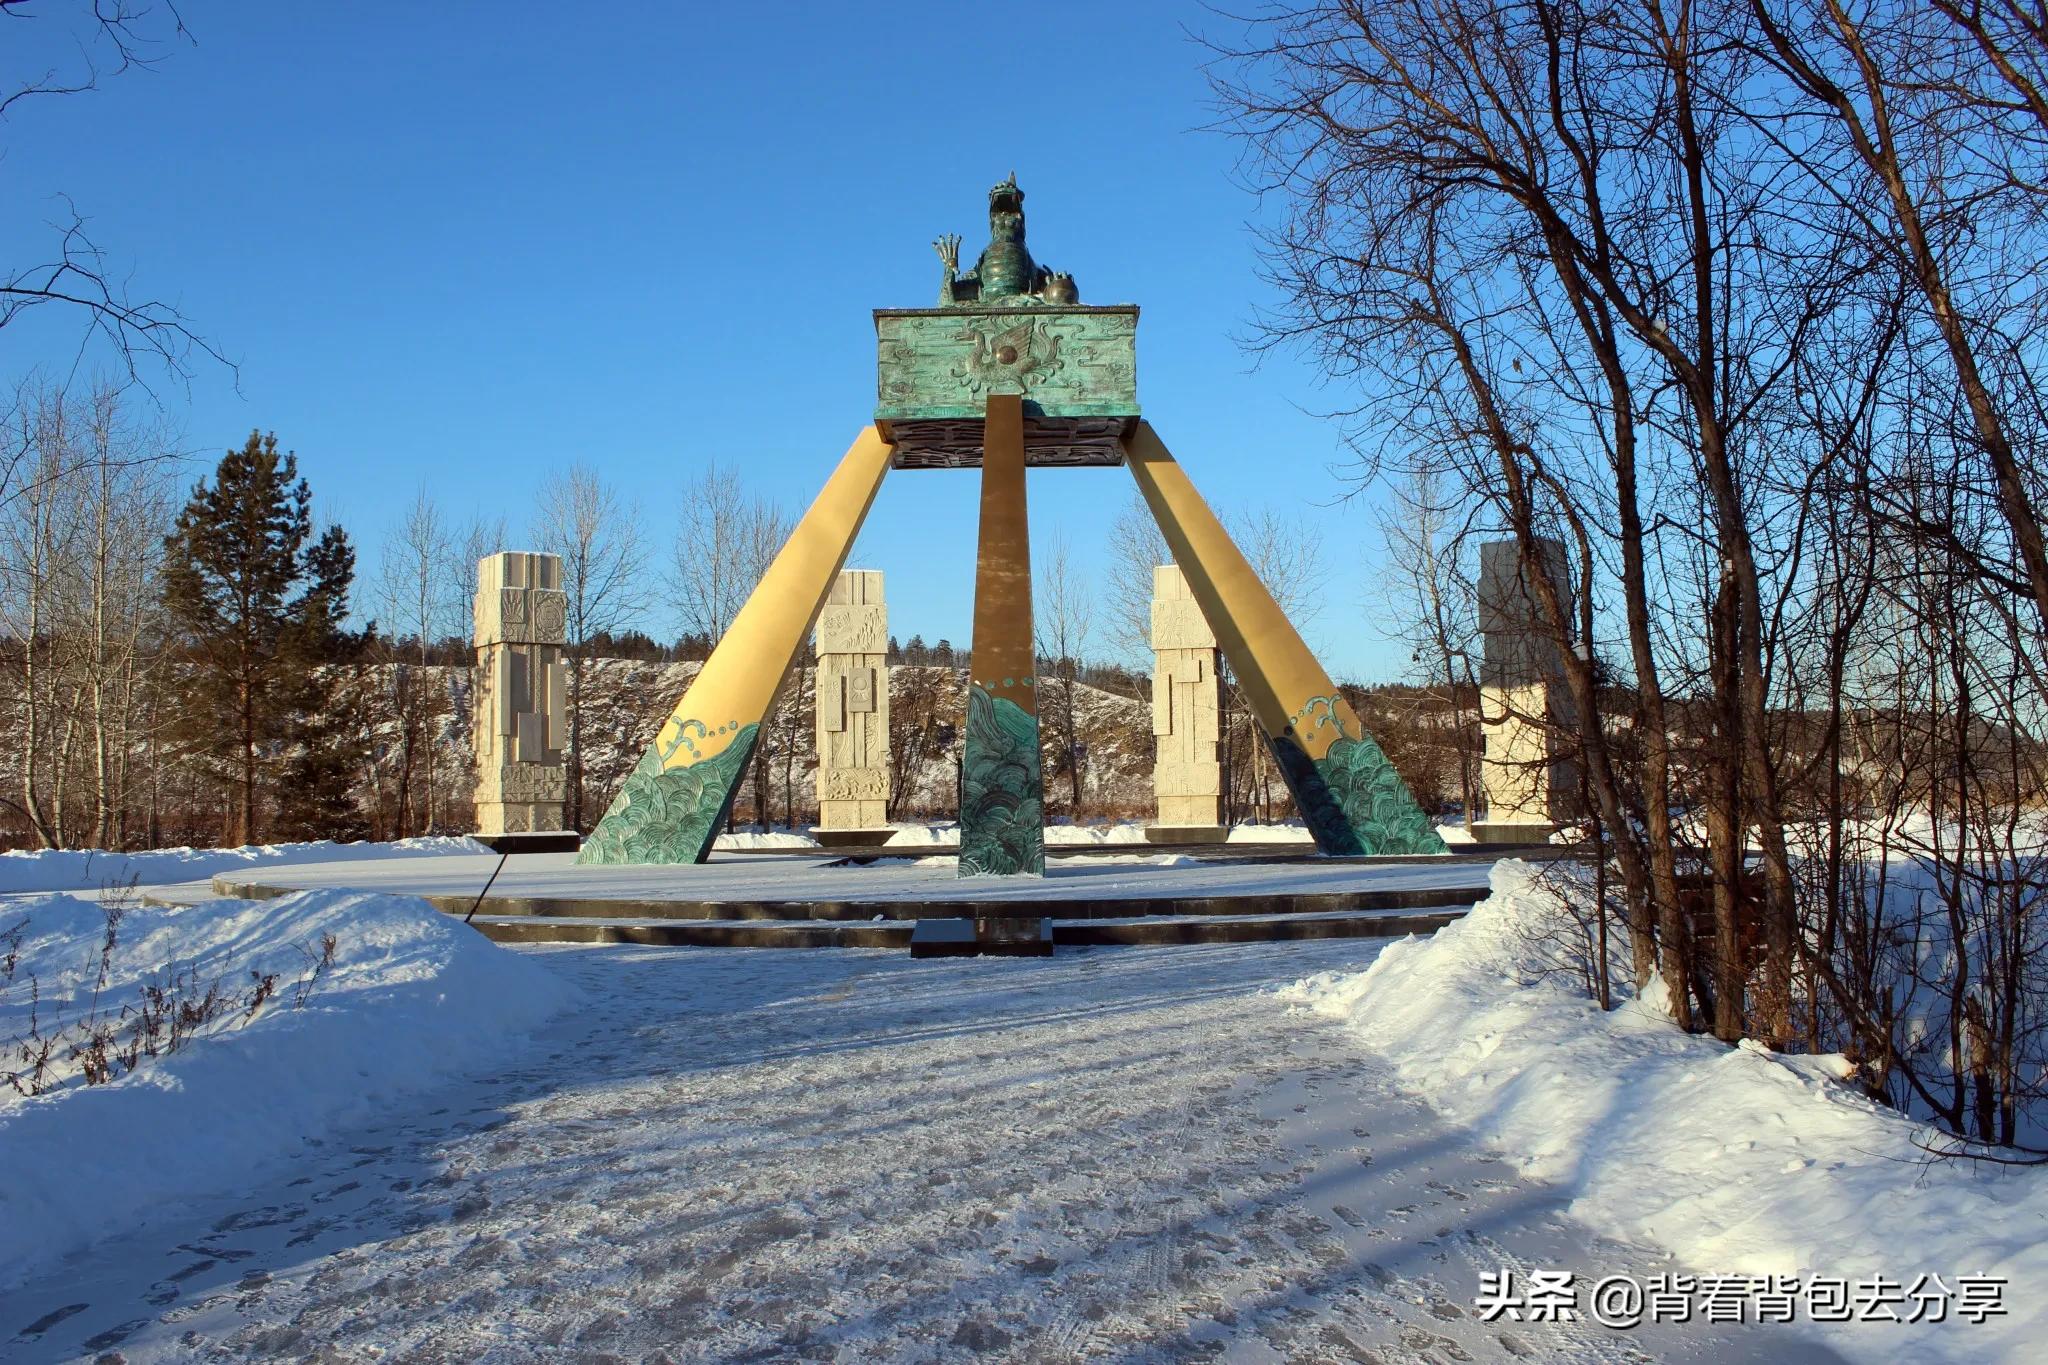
{"x":1002,"y":790}
{"x":670,"y":809}
{"x":1349,"y":795}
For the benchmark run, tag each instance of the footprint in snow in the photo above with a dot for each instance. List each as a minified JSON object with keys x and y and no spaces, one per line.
{"x":49,"y":1320}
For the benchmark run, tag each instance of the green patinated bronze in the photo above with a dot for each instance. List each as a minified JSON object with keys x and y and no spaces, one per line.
{"x":670,"y":815}
{"x":1008,"y":325}
{"x":1002,"y":811}
{"x":1066,"y":362}
{"x":1351,"y":799}
{"x":1005,"y":272}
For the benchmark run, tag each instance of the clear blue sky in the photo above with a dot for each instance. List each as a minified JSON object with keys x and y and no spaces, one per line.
{"x":453,"y":245}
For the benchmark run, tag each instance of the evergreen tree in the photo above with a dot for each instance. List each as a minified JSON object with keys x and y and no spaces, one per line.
{"x":255,"y":604}
{"x":329,"y":720}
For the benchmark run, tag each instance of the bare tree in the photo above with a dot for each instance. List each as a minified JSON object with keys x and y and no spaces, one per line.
{"x":1735,"y":300}
{"x":726,"y":541}
{"x":1940,"y":112}
{"x":1439,"y":601}
{"x":413,"y":599}
{"x":1135,"y":548}
{"x":597,"y":534}
{"x":1063,"y":617}
{"x":77,"y":604}
{"x":724,"y":544}
{"x":68,"y":54}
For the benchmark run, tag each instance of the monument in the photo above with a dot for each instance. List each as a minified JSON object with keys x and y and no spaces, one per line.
{"x":1530,"y":782}
{"x":521,"y":692}
{"x":853,"y":711}
{"x":1009,"y":371}
{"x":1187,"y":778}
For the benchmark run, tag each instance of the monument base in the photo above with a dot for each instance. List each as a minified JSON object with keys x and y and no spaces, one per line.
{"x":987,"y":937}
{"x":1186,"y":834}
{"x":531,"y":841}
{"x":853,"y":838}
{"x":1495,"y":832}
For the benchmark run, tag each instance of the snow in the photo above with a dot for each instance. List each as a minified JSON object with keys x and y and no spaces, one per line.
{"x":927,"y":834}
{"x":94,"y":869}
{"x":936,"y":835}
{"x":1131,"y":1155}
{"x":1736,"y":1160}
{"x":741,"y":840}
{"x":1059,"y":833}
{"x":1279,"y":832}
{"x":411,"y":999}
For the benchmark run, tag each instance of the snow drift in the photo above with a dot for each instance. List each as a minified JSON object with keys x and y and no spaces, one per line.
{"x":94,"y":870}
{"x":411,"y":997}
{"x":1737,"y":1160}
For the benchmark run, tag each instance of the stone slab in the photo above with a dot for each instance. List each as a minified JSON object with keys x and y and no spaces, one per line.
{"x":1185,"y":834}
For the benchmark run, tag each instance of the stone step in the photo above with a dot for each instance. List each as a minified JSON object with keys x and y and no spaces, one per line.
{"x":965,"y":907}
{"x":1154,"y":931}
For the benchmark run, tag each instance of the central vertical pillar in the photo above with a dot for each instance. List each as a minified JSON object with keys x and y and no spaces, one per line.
{"x":1002,"y":790}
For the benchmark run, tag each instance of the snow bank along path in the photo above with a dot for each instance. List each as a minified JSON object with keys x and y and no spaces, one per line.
{"x":412,"y":998}
{"x":1737,"y":1160}
{"x":719,"y":1156}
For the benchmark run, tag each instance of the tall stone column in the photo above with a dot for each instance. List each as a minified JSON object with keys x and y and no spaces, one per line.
{"x":1002,"y":784}
{"x":1531,"y":784}
{"x":853,"y":711}
{"x":521,"y":693}
{"x":1187,"y":778}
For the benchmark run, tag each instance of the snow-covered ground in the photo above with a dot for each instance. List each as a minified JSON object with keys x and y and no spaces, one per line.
{"x":93,"y":870}
{"x":1131,"y":1155}
{"x":1737,"y":1160}
{"x":409,"y":999}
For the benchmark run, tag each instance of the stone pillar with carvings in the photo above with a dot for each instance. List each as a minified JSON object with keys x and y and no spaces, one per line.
{"x":1530,"y":781}
{"x":1187,"y":779}
{"x":853,"y":711}
{"x":521,"y":693}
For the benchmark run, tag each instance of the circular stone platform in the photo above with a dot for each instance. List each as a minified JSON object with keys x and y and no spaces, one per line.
{"x":827,"y":900}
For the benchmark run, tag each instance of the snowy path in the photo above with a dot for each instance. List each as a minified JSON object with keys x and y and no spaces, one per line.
{"x":1118,"y":1154}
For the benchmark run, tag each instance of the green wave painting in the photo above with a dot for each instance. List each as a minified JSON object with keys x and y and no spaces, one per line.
{"x":1002,"y":793}
{"x":670,"y":815}
{"x":1351,"y":799}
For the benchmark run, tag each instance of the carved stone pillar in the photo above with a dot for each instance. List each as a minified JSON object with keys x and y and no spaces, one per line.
{"x":1530,"y":782}
{"x":1187,"y":778}
{"x":521,"y":693}
{"x":853,"y":710}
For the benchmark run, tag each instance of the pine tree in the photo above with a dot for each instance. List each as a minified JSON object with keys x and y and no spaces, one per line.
{"x":255,"y":605}
{"x":329,"y":721}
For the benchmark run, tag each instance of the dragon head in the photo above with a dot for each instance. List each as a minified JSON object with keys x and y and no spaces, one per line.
{"x":1005,"y":197}
{"x":1006,"y":211}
